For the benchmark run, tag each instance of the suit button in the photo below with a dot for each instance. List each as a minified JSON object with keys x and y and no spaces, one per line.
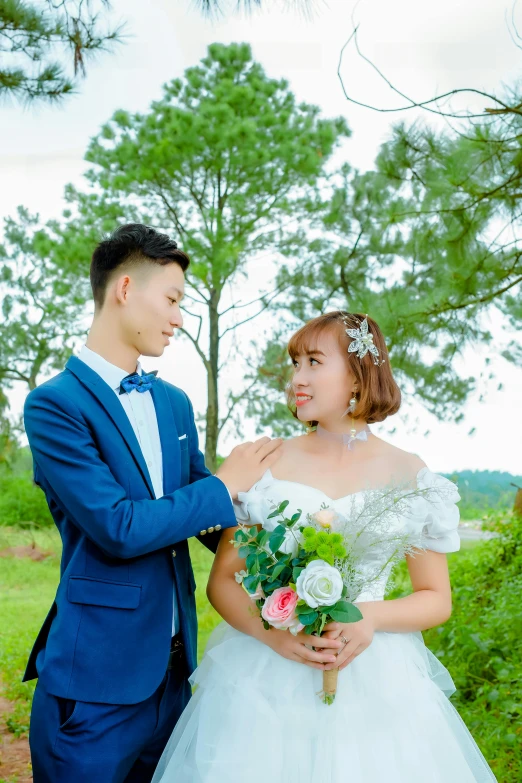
{"x":217,"y":528}
{"x":211,"y":530}
{"x":173,"y":553}
{"x":203,"y":533}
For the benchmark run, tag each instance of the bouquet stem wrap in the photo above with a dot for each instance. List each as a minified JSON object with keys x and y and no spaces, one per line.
{"x":330,"y":685}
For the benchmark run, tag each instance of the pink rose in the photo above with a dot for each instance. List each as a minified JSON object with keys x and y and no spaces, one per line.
{"x":325,"y":517}
{"x":279,"y":610}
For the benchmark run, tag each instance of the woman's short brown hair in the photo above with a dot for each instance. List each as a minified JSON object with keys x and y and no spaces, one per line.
{"x":378,"y":393}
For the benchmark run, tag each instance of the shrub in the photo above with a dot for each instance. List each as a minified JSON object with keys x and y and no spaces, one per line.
{"x":22,"y":503}
{"x":481,"y":644}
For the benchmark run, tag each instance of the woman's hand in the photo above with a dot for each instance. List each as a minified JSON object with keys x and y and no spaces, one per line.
{"x":355,"y":637}
{"x":323,"y":656}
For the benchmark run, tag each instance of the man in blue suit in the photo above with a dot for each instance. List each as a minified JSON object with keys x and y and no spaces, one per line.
{"x":116,"y":453}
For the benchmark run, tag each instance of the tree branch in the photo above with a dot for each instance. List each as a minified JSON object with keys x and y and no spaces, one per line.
{"x":198,"y":349}
{"x":235,"y":401}
{"x":426,"y":105}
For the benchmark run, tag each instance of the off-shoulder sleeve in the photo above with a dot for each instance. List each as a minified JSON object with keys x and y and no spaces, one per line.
{"x":434,"y":516}
{"x":252,"y":507}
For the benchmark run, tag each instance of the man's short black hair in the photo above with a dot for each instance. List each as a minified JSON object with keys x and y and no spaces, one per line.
{"x":131,"y":244}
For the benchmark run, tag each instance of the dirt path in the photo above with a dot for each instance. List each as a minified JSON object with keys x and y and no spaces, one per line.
{"x":15,"y":760}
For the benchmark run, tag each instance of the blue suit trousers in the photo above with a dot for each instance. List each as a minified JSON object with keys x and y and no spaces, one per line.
{"x":83,"y":742}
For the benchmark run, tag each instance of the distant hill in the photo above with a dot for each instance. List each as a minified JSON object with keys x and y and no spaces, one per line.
{"x":484,"y":490}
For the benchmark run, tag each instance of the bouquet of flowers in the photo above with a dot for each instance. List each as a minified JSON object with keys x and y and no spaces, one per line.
{"x":303,"y":575}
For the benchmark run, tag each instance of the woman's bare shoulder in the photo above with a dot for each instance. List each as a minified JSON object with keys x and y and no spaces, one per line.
{"x":289,"y":452}
{"x":406,"y":463}
{"x":298,"y":443}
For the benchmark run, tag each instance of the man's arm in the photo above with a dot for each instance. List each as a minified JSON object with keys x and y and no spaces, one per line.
{"x":198,"y":471}
{"x":83,"y":485}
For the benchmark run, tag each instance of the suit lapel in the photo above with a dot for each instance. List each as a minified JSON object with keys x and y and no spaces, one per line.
{"x":113,"y":407}
{"x":169,"y":437}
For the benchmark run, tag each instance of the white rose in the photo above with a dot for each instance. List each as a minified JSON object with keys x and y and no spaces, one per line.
{"x":293,"y":538}
{"x":320,"y":584}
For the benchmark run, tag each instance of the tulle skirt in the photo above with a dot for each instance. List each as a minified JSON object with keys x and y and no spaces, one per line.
{"x":257,"y":718}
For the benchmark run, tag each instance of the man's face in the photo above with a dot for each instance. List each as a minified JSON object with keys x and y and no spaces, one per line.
{"x":151,"y":298}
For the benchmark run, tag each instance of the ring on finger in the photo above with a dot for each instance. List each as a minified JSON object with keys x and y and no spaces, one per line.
{"x":344,"y":639}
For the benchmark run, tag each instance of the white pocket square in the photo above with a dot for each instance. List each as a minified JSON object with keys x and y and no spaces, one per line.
{"x":182,"y":437}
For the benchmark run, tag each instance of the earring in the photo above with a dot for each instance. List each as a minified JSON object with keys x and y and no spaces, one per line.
{"x":351,"y":411}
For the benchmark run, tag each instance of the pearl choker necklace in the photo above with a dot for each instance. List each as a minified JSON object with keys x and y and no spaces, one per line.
{"x":347,"y":439}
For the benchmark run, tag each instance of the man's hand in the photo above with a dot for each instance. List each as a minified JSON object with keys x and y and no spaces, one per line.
{"x":247,"y":463}
{"x":293,"y":647}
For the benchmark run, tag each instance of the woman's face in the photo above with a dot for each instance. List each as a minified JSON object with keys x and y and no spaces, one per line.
{"x":322,"y":382}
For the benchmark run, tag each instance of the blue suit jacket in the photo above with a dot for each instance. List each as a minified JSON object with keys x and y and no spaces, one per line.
{"x":107,"y":636}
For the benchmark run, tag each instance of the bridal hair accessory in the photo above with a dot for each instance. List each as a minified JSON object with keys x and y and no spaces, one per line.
{"x":362,"y":343}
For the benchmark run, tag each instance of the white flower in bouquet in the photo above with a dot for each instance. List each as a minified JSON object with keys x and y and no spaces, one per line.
{"x":319,"y":584}
{"x":292,"y":542}
{"x":325,"y":517}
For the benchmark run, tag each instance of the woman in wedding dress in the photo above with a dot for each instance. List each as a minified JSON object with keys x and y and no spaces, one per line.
{"x":256,"y":716}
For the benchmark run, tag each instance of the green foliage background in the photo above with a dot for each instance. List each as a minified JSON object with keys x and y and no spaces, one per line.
{"x":23,"y":504}
{"x":481,"y":644}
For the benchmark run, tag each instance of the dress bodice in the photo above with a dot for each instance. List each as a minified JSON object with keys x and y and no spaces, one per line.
{"x":431,"y":520}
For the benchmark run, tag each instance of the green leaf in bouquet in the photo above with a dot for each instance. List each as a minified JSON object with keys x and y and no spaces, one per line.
{"x":279,"y":510}
{"x":307,"y":617}
{"x":296,"y":571}
{"x":240,"y":536}
{"x":262,"y":537}
{"x":244,"y":551}
{"x":276,"y":539}
{"x":252,"y":561}
{"x":326,"y":609}
{"x":295,"y":518}
{"x":322,"y":623}
{"x":251,"y":582}
{"x":277,"y":570}
{"x":343,"y":612}
{"x":269,"y":587}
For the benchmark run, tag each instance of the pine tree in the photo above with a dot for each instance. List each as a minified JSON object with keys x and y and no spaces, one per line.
{"x":36,"y":37}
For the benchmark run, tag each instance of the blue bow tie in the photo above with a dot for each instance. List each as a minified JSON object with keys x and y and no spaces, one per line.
{"x":141,"y":383}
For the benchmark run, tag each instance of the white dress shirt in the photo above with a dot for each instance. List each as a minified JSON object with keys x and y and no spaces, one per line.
{"x":139,"y":407}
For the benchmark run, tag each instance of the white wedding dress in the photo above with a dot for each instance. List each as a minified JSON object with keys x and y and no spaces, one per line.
{"x":256,"y":717}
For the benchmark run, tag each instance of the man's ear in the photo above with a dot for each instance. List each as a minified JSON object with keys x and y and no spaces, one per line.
{"x":121,"y":288}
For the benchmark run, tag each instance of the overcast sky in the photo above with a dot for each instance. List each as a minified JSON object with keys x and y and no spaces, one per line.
{"x":423,"y":48}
